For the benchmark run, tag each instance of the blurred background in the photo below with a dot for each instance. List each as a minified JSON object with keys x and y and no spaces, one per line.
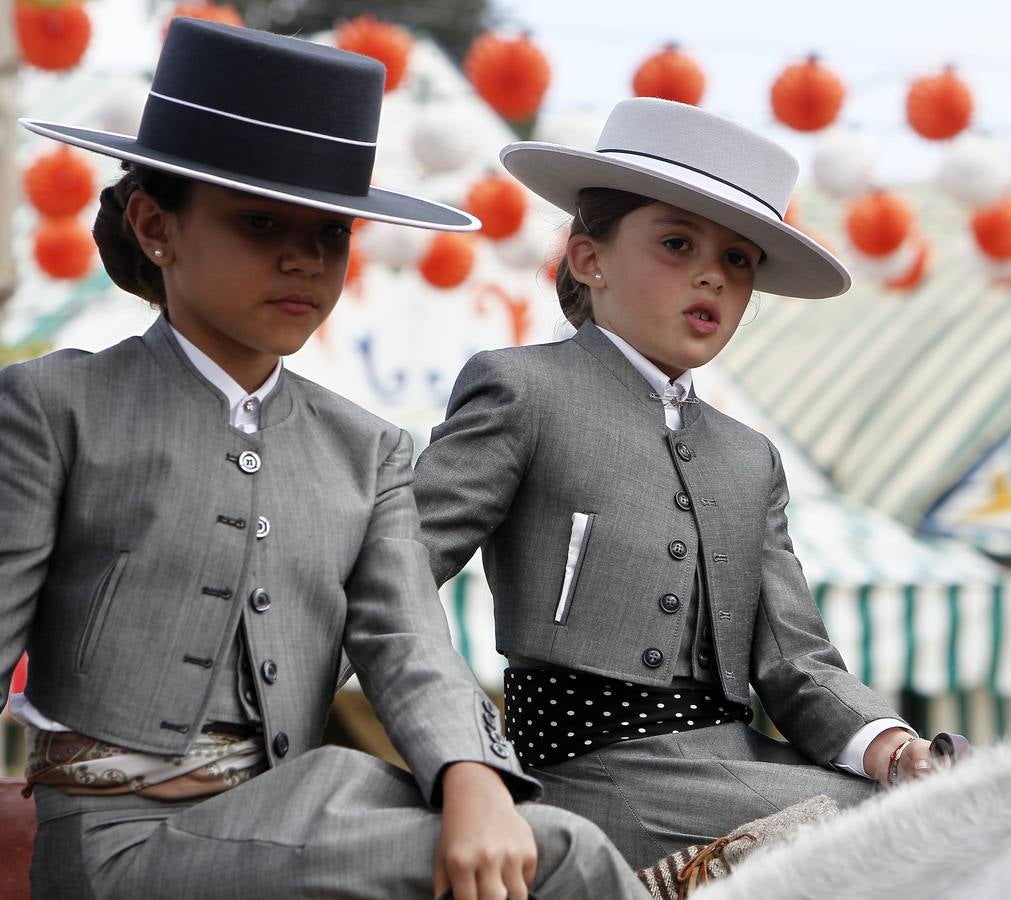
{"x":891,"y":405}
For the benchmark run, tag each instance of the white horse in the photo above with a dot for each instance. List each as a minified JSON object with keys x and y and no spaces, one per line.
{"x":944,"y":836}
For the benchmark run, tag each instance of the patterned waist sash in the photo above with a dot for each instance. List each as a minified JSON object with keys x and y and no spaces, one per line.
{"x":552,"y":715}
{"x":76,"y":764}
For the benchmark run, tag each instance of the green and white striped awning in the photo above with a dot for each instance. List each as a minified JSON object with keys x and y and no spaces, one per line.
{"x":897,"y":397}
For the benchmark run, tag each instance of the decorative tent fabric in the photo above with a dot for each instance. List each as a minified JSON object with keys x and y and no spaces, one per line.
{"x":898,"y":398}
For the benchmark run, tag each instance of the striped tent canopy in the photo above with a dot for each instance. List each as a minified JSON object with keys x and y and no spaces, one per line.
{"x":898,"y":396}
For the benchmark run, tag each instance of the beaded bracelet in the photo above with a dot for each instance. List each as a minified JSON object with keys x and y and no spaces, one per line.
{"x":893,"y":760}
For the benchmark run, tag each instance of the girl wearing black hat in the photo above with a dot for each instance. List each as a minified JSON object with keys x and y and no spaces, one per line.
{"x":634,"y":538}
{"x":193,"y":539}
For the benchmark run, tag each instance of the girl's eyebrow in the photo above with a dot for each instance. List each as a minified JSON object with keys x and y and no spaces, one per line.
{"x":673,"y":220}
{"x":688,"y":223}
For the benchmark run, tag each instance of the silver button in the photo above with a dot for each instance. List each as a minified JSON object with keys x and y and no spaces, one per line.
{"x":262,"y":527}
{"x":250,"y":405}
{"x":249,"y":462}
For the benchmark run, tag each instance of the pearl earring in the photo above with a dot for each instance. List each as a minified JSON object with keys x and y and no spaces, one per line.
{"x":159,"y":252}
{"x":598,"y":276}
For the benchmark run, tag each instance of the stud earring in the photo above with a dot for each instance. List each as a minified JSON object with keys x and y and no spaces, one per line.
{"x":159,"y":252}
{"x":598,"y":276}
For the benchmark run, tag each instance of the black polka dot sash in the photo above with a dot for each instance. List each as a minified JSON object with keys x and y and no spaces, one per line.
{"x":552,"y":715}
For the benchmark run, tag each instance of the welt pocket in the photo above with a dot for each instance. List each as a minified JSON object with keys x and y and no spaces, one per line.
{"x":99,"y":610}
{"x":579,"y":539}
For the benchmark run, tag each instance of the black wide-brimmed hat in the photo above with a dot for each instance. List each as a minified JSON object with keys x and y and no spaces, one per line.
{"x":272,"y":115}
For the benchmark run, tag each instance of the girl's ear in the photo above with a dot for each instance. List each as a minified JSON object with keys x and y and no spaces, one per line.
{"x":151,"y":227}
{"x":584,"y":264}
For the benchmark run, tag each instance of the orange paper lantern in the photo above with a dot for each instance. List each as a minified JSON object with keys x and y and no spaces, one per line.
{"x":807,"y":96}
{"x":792,"y":215}
{"x":878,"y":223}
{"x":60,"y":183}
{"x":63,"y":248}
{"x":449,"y":259}
{"x":991,"y":227}
{"x":670,"y":75}
{"x":356,"y":264}
{"x":52,"y":37}
{"x":510,"y":75}
{"x":912,"y":277}
{"x":500,"y":204}
{"x":939,"y":106}
{"x":211,"y":12}
{"x":388,"y":43}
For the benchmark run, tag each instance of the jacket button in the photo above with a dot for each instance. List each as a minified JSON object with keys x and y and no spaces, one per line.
{"x":281,"y":744}
{"x":683,"y":451}
{"x":489,"y":707}
{"x":249,"y":462}
{"x":500,"y":749}
{"x":260,"y":600}
{"x":490,"y":719}
{"x":652,"y":658}
{"x":678,"y":549}
{"x":703,"y":659}
{"x":262,"y":527}
{"x":683,"y":500}
{"x":269,"y":670}
{"x":670,"y":603}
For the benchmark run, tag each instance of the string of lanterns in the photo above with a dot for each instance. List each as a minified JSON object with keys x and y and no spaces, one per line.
{"x":512,"y":74}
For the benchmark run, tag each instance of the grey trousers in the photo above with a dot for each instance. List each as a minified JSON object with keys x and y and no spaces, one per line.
{"x":658,"y":794}
{"x":333,"y":823}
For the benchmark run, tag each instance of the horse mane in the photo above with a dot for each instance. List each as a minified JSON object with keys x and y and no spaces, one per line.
{"x":944,"y":836}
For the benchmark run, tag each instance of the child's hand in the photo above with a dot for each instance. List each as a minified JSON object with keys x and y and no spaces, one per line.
{"x":895,"y":755}
{"x":486,"y":850}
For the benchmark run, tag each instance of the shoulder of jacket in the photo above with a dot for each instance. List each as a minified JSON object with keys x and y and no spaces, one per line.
{"x":735,"y":429}
{"x":329,"y":405}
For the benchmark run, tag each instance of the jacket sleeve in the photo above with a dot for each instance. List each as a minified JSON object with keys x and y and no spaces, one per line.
{"x":398,"y":640}
{"x":797,"y":672}
{"x":32,"y":475}
{"x":468,"y":475}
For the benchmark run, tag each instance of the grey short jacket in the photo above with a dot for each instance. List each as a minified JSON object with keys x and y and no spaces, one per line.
{"x":129,"y":556}
{"x":536,"y":434}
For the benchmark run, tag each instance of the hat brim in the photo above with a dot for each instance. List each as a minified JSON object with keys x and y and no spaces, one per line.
{"x":380,"y":205}
{"x":794,"y":264}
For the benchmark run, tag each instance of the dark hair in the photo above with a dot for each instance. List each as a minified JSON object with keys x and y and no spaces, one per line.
{"x":128,"y":266}
{"x":600,"y":211}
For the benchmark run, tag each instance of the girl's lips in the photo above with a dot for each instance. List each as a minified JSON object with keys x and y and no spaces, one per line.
{"x":295,"y":304}
{"x":701,"y":326}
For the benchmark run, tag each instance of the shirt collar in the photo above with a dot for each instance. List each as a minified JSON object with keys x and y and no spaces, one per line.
{"x":657,"y":380}
{"x":233,"y":391}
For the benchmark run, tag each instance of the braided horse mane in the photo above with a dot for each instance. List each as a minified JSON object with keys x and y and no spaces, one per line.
{"x":942,"y":837}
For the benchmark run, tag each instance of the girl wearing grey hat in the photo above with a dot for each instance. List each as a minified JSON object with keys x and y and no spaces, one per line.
{"x":634,"y":538}
{"x":193,"y":540}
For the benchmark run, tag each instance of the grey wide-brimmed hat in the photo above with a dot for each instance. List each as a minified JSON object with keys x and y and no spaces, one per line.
{"x":702,"y":163}
{"x":276,"y":116}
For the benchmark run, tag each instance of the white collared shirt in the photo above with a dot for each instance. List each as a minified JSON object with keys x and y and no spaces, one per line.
{"x":669,"y":390}
{"x":243,"y":413}
{"x":851,"y":759}
{"x":243,"y":408}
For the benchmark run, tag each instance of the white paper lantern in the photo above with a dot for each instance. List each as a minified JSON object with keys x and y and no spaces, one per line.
{"x":576,"y":128}
{"x":844,"y":163}
{"x":393,"y":245}
{"x":891,"y":266}
{"x":443,"y":139}
{"x":122,"y":106}
{"x":975,"y":170}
